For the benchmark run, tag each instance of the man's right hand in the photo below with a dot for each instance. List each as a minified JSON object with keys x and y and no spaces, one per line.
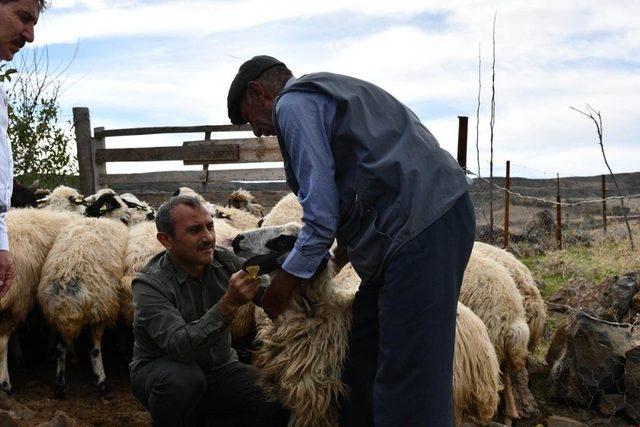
{"x":241,"y":290}
{"x":7,"y":272}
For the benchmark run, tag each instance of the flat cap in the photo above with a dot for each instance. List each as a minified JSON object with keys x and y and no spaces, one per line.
{"x":249,"y":71}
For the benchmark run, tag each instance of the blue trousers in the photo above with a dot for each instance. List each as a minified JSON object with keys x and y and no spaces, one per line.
{"x":400,"y":363}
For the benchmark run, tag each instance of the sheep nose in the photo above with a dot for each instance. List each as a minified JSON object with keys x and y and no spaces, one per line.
{"x":236,"y":243}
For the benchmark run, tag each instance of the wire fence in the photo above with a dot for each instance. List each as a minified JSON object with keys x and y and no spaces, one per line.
{"x":533,"y":215}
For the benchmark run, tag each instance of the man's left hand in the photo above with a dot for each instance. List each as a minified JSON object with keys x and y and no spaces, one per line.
{"x":277,"y":296}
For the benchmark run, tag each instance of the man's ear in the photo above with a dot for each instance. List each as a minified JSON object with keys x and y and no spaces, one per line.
{"x":255,"y":89}
{"x":165,"y":240}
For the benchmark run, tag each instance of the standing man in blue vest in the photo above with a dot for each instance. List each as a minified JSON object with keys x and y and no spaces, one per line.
{"x":368,"y":173}
{"x":17,"y":21}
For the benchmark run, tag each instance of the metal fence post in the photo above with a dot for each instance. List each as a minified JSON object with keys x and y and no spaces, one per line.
{"x":463,"y":124}
{"x":604,"y":205}
{"x":507,"y":187}
{"x":558,"y":214}
{"x":84,"y":144}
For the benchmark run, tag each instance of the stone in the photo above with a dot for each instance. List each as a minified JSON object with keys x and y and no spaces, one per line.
{"x":617,"y":299}
{"x":591,"y":361}
{"x":611,"y":404}
{"x":60,"y":420}
{"x":6,"y":420}
{"x":632,"y":383}
{"x":557,"y":421}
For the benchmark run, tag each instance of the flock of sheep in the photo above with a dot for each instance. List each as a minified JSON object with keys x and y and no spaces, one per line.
{"x":76,"y":257}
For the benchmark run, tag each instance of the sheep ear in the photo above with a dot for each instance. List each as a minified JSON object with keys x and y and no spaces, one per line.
{"x":282,"y":243}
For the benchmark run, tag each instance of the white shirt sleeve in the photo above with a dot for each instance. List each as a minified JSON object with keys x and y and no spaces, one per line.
{"x":6,"y":170}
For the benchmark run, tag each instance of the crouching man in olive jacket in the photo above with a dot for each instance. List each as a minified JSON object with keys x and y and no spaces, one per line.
{"x":184,"y":369}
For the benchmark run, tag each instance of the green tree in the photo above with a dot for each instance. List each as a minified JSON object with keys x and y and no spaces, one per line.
{"x":40,"y":140}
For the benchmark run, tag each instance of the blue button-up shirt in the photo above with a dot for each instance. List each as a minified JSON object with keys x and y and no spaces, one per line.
{"x":306,"y":121}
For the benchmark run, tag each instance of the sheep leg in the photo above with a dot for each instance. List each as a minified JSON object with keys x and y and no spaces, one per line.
{"x":5,"y":383}
{"x":96,"y":361}
{"x":511,"y":411}
{"x":61,"y":359}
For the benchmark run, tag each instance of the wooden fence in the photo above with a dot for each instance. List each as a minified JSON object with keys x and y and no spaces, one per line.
{"x":266,"y":184}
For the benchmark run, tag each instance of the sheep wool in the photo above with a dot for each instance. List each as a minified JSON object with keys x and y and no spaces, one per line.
{"x":534,"y":307}
{"x":32,"y":233}
{"x":288,"y":209}
{"x":81,"y":287}
{"x":488,"y":290}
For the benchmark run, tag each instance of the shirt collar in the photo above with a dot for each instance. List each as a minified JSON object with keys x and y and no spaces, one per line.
{"x":290,"y":82}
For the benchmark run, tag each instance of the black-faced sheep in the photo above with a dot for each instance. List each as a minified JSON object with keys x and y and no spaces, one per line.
{"x":63,"y":198}
{"x":32,"y":233}
{"x":302,"y":352}
{"x":80,"y":287}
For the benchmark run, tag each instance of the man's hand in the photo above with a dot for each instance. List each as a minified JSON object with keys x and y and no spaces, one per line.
{"x":277,"y":296}
{"x":241,"y":290}
{"x":340,"y":257}
{"x":7,"y":272}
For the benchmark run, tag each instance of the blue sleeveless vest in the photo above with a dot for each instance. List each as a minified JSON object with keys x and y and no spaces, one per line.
{"x":393,"y":178}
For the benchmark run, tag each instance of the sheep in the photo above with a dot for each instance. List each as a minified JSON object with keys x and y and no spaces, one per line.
{"x":303,"y":350}
{"x":140,"y":211}
{"x":110,"y":205}
{"x":488,"y":290}
{"x":142,"y":245}
{"x":244,"y":200}
{"x":288,"y":209}
{"x":63,"y":198}
{"x":32,"y":233}
{"x":22,"y":196}
{"x":534,"y":307}
{"x":80,"y":287}
{"x":238,"y":218}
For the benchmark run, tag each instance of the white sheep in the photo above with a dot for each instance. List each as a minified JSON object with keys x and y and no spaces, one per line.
{"x":32,"y":233}
{"x":140,"y":210}
{"x":80,"y":287}
{"x":488,"y":290}
{"x":63,"y":198}
{"x":244,"y":200}
{"x":534,"y":307}
{"x":302,"y":352}
{"x":288,"y":209}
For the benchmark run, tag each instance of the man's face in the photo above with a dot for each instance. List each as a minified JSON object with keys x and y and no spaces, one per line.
{"x":193,"y":236}
{"x":17,"y":21}
{"x":256,"y":108}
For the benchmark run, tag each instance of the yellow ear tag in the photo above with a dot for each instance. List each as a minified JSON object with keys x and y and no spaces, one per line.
{"x":103,"y":208}
{"x":252,"y":271}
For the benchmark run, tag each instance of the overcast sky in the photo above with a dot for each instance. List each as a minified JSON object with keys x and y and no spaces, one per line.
{"x":169,"y":62}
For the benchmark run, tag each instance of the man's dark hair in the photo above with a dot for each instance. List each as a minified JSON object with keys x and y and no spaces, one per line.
{"x":274,"y":78}
{"x":42,"y":4}
{"x":164,"y":219}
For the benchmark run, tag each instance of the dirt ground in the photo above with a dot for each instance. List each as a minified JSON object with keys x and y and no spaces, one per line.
{"x":34,"y":389}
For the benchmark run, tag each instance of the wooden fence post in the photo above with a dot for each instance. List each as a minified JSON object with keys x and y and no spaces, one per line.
{"x":604,"y":205}
{"x":507,"y":187}
{"x":84,"y":143}
{"x":98,"y":168}
{"x":463,"y":124}
{"x":558,"y":214}
{"x":205,"y":167}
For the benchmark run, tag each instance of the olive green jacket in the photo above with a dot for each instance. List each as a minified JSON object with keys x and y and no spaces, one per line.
{"x":176,"y":314}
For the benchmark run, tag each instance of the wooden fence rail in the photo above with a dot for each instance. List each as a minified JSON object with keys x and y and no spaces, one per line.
{"x":93,"y":157}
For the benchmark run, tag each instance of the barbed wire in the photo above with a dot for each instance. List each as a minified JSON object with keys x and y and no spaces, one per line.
{"x":552,"y":202}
